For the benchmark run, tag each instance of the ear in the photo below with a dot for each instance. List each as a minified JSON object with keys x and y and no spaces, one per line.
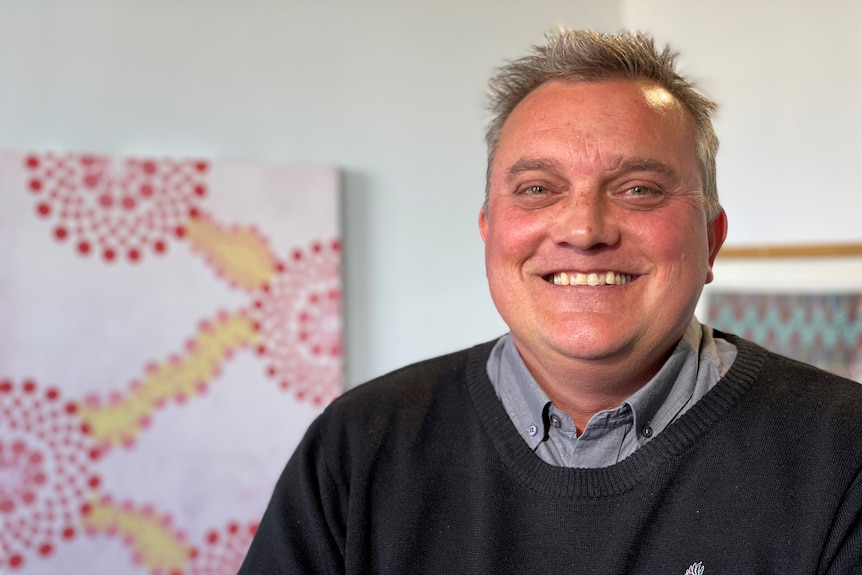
{"x":483,"y":223}
{"x":716,"y":233}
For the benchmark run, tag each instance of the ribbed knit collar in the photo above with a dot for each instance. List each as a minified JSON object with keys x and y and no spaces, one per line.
{"x":607,"y":481}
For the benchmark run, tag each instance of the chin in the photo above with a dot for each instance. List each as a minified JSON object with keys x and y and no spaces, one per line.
{"x":591,"y":351}
{"x":588,"y":344}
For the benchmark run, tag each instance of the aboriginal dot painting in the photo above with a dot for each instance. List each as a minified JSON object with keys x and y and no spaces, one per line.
{"x":168,"y":330}
{"x":820,"y":329}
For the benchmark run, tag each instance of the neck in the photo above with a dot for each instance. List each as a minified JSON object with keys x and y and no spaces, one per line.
{"x":583,"y":388}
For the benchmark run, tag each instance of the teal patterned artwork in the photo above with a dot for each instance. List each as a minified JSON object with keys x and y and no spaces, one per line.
{"x":821,"y":329}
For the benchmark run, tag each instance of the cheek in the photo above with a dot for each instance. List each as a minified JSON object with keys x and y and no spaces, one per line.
{"x":680,"y":243}
{"x":512,"y":236}
{"x":681,"y":229}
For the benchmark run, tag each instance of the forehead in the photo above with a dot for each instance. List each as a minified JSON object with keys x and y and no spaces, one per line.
{"x":619,"y":117}
{"x":570,"y":99}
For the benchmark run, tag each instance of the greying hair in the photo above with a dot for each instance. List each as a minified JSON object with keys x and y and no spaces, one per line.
{"x":589,"y":56}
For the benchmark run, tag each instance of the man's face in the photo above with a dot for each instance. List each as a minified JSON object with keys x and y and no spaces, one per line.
{"x":595,"y":183}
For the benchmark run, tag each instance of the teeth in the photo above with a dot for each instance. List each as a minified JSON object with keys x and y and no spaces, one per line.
{"x":591,"y":279}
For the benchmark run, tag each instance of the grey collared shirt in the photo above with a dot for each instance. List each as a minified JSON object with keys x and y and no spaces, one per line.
{"x":696,"y":364}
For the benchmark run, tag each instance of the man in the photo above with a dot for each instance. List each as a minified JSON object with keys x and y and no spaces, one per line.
{"x":608,"y":432}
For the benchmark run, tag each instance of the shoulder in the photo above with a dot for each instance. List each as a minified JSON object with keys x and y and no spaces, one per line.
{"x":415,"y":379}
{"x":408,"y":395}
{"x":809,"y":399}
{"x":785,"y":376}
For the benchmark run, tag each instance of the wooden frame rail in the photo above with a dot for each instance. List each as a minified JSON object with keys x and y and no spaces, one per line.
{"x":791,"y":251}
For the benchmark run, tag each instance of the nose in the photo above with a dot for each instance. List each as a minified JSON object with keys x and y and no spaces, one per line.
{"x":586,"y":221}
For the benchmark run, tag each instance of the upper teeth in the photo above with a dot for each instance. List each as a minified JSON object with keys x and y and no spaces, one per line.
{"x":591,"y":279}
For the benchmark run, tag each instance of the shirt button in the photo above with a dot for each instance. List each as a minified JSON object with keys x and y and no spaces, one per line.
{"x":532,"y":430}
{"x":647,"y":431}
{"x":555,"y":421}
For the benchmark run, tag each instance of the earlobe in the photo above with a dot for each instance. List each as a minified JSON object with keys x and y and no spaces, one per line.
{"x":717,"y":233}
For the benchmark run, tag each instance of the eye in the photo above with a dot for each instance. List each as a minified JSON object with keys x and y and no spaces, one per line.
{"x":540,"y":194}
{"x":642,"y":192}
{"x":640,"y":196}
{"x":535,"y":191}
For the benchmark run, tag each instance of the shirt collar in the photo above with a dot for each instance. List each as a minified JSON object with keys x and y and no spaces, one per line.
{"x":684,"y":376}
{"x":663,"y":397}
{"x":522,"y":397}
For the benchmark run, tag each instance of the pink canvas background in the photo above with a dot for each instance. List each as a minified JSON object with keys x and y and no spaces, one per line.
{"x":168,"y":329}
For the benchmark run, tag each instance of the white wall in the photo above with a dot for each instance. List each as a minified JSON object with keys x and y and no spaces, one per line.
{"x":392,"y":91}
{"x":389,"y":91}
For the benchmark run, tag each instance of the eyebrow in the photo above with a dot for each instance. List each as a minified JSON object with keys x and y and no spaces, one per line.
{"x":637,"y":164}
{"x":620,"y":165}
{"x":531,"y":165}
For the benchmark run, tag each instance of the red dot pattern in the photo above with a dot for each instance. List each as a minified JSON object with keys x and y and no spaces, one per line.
{"x":46,"y":474}
{"x":299,"y":319}
{"x":222,"y":550}
{"x":123,"y":211}
{"x":115,"y":209}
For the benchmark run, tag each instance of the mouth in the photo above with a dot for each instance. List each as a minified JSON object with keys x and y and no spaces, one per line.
{"x":608,"y":278}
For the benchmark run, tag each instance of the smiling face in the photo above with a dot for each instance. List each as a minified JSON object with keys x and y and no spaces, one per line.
{"x":596,"y":241}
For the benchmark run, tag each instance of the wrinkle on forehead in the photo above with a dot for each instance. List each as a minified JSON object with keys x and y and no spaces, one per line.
{"x":616,"y":163}
{"x":620,"y":133}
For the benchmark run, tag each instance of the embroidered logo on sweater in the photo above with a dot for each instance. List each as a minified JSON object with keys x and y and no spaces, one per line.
{"x":695,"y":569}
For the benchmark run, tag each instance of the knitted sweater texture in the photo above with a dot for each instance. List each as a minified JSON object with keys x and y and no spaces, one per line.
{"x":422,"y":471}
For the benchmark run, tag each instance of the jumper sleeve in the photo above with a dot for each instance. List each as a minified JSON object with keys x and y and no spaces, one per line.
{"x":302,"y":530}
